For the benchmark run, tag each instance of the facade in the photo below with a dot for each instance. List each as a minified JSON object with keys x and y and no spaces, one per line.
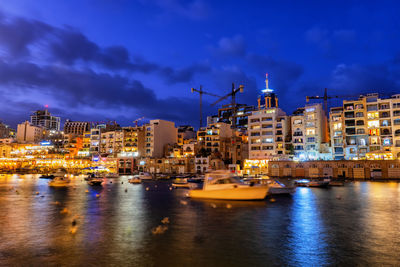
{"x":215,"y":138}
{"x":368,"y":124}
{"x":28,"y":133}
{"x":6,"y":131}
{"x":44,"y":119}
{"x":309,"y":132}
{"x":239,"y":113}
{"x":268,"y":127}
{"x":111,"y":142}
{"x":134,"y":140}
{"x":76,"y":127}
{"x":186,"y":134}
{"x":202,"y":164}
{"x":159,"y":133}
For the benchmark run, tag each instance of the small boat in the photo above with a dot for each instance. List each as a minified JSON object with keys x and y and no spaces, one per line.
{"x":317,"y":183}
{"x":46,"y":176}
{"x":278,"y":188}
{"x":59,"y":182}
{"x":222,"y":184}
{"x":135,"y":180}
{"x":163,"y":176}
{"x":95,"y":181}
{"x":181,"y":183}
{"x":112,"y":175}
{"x":302,"y":183}
{"x":336,"y":183}
{"x":145,"y":176}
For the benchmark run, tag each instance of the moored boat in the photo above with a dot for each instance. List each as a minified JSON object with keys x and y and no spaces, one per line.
{"x":223,"y":185}
{"x":95,"y":181}
{"x":59,"y":182}
{"x":46,"y":176}
{"x":317,"y":183}
{"x":336,"y":183}
{"x":135,"y":180}
{"x":180,"y":183}
{"x":278,"y":188}
{"x":145,"y":176}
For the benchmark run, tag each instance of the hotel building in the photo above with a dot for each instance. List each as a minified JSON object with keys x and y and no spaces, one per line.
{"x":159,"y":133}
{"x":268,"y":127}
{"x":46,"y":120}
{"x":28,"y":133}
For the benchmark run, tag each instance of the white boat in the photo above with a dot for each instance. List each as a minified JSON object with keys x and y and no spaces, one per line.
{"x":60,"y":181}
{"x":278,"y":188}
{"x":112,"y":175}
{"x":181,"y":183}
{"x":144,"y":176}
{"x":135,"y":180}
{"x":223,"y":185}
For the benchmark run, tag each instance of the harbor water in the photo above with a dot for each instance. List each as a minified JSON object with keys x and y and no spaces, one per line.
{"x":116,"y":225}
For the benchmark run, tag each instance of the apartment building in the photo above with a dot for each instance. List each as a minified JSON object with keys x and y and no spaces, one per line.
{"x":309,"y":133}
{"x":186,"y":134}
{"x":215,"y":138}
{"x":29,"y":133}
{"x":368,"y":124}
{"x":134,"y":140}
{"x":76,"y":127}
{"x":159,"y":133}
{"x":111,"y":142}
{"x":267,"y":132}
{"x":46,"y":120}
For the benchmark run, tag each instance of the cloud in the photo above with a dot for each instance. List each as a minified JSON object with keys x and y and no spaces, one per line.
{"x":234,"y":46}
{"x":195,"y":10}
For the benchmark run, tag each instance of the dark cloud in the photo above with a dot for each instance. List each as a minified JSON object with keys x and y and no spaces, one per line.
{"x":16,"y":34}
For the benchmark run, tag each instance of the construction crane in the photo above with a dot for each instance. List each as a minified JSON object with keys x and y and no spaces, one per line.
{"x":201,"y":92}
{"x":233,"y":103}
{"x":325,"y":97}
{"x":137,"y":120}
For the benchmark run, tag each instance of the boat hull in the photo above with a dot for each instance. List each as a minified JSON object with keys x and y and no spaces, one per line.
{"x":281,"y":190}
{"x":243,"y":193}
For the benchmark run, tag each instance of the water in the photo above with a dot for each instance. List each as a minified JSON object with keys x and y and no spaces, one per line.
{"x":353,"y":225}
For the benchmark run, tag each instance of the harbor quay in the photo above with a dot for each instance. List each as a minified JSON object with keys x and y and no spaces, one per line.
{"x":337,"y":169}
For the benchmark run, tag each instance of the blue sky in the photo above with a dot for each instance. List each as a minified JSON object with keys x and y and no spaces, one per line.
{"x":120,"y":60}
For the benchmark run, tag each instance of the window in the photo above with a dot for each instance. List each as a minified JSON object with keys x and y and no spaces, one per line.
{"x":359,"y":106}
{"x":311,"y":139}
{"x":268,"y":140}
{"x":310,"y":131}
{"x":373,"y":124}
{"x":373,"y":115}
{"x":374,"y":140}
{"x":337,"y":126}
{"x":374,"y":132}
{"x":360,"y":131}
{"x":363,"y":142}
{"x":359,"y":114}
{"x":297,"y":122}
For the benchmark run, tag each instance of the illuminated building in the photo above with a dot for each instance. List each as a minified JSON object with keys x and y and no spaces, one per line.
{"x":215,"y":138}
{"x":185,"y":133}
{"x":159,"y":133}
{"x":134,"y":140}
{"x":268,"y":127}
{"x":44,"y":119}
{"x":368,"y":124}
{"x":111,"y":142}
{"x":29,"y":133}
{"x":76,"y":127}
{"x":6,"y":131}
{"x":309,"y":133}
{"x":225,"y":115}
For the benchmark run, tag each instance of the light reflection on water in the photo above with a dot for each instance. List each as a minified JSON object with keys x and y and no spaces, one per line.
{"x":356,"y":224}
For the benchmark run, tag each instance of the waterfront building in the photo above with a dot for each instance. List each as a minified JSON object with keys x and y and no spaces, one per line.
{"x":167,"y":165}
{"x":134,"y":140}
{"x":310,"y":133}
{"x":186,"y":133}
{"x":215,"y":138}
{"x":44,"y":119}
{"x":369,"y":124}
{"x":76,"y":127}
{"x":29,"y":133}
{"x":95,"y":135}
{"x":159,"y":133}
{"x":268,"y":127}
{"x":111,"y":142}
{"x":202,"y":163}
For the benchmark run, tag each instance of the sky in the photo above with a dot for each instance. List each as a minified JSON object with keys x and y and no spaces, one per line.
{"x":99,"y":60}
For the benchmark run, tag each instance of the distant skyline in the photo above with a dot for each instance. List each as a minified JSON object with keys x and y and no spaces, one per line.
{"x":121,"y":60}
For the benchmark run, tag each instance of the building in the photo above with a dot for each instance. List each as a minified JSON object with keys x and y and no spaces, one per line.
{"x":309,"y":132}
{"x":28,"y":133}
{"x":159,"y":133}
{"x":112,"y":142}
{"x":6,"y":131}
{"x":186,"y":133}
{"x":134,"y":140}
{"x":215,"y":139}
{"x":46,"y":120}
{"x":268,"y":127}
{"x":76,"y":127}
{"x":238,"y":112}
{"x":368,"y":124}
